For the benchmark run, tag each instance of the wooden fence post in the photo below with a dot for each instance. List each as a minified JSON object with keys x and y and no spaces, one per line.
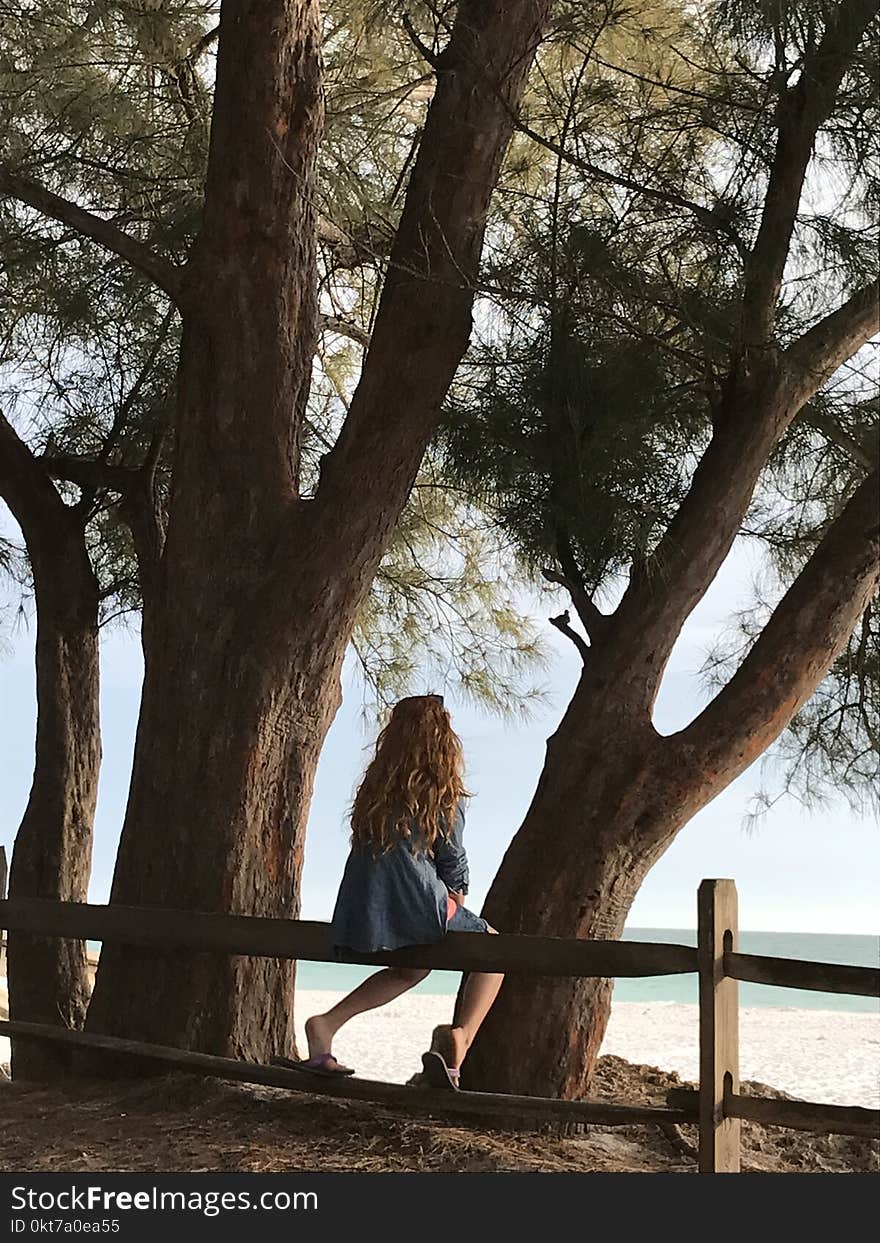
{"x":719,"y":1027}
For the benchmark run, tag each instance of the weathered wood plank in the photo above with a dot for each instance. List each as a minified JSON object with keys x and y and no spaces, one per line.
{"x":805,"y":1115}
{"x":719,"y":1027}
{"x":421,"y":1100}
{"x":796,"y":1115}
{"x":310,"y":941}
{"x":821,"y":977}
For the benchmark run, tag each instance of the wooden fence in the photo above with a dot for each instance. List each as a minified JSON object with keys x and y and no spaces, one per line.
{"x":717,"y":1107}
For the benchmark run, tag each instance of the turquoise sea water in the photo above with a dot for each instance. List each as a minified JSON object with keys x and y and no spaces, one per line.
{"x":816,"y":947}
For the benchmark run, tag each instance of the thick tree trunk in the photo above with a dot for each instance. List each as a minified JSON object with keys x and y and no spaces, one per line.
{"x":257,"y":591}
{"x":573,"y":869}
{"x":242,"y":678}
{"x":48,"y":979}
{"x":250,"y":717}
{"x":613,"y":794}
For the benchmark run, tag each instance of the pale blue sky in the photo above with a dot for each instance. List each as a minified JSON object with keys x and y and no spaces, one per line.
{"x":796,"y":872}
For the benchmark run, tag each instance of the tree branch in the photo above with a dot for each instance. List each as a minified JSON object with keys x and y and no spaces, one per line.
{"x":423,"y":322}
{"x":563,"y":625}
{"x":803,"y":108}
{"x":201,"y":45}
{"x":163,"y":273}
{"x":27,"y":487}
{"x":428,"y":54}
{"x":815,"y":356}
{"x":136,"y":488}
{"x":64,"y":582}
{"x":344,"y":328}
{"x":762,"y":396}
{"x":808,"y":630}
{"x":705,"y":215}
{"x":139,"y":506}
{"x":825,"y":424}
{"x":594,"y":622}
{"x":254,"y":263}
{"x":88,"y":472}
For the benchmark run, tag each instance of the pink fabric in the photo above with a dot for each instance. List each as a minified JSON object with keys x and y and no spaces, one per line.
{"x":451,"y":907}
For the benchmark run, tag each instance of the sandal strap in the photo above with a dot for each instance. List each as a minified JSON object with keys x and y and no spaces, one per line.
{"x":320,"y":1059}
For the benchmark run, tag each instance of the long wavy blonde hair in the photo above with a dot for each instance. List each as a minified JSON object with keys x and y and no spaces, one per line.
{"x":417,"y":770}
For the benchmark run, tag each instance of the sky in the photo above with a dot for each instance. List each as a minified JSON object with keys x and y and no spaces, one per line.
{"x":797,"y":872}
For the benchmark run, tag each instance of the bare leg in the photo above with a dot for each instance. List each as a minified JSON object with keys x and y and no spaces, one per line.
{"x":477,"y":998}
{"x":376,"y":991}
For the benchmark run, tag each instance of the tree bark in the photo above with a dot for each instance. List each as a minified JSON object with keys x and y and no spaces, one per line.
{"x":141,"y":508}
{"x":613,"y":794}
{"x":801,"y":110}
{"x":617,"y":793}
{"x":577,"y":879}
{"x":764,"y":393}
{"x":232,"y":716}
{"x":51,"y":858}
{"x":258,"y":589}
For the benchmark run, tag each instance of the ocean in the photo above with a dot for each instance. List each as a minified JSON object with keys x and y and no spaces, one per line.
{"x":859,"y":951}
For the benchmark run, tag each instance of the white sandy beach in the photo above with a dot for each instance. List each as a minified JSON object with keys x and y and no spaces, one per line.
{"x":818,"y":1055}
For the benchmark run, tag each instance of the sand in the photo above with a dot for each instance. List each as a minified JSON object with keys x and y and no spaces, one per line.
{"x":817,"y":1055}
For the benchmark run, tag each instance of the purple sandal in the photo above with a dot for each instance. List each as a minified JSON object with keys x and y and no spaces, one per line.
{"x":315,"y":1066}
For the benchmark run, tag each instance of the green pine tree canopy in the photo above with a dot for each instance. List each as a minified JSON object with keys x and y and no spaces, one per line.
{"x":580,"y":414}
{"x":605,"y":318}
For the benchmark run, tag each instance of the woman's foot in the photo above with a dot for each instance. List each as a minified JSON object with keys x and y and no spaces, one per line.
{"x":460,"y":1043}
{"x":450,"y":1045}
{"x":319,"y":1035}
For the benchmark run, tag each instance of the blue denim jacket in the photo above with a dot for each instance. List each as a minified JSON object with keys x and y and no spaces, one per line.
{"x":399,"y":898}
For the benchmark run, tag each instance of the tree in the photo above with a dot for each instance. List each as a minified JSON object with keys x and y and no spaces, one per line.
{"x":257,"y":586}
{"x":75,"y":581}
{"x":720,"y":367}
{"x":52,"y":852}
{"x":89,"y":354}
{"x":831,"y":749}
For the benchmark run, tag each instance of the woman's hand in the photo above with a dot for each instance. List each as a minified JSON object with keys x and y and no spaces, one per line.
{"x":458,"y":898}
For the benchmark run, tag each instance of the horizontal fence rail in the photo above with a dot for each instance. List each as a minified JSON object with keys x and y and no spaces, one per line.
{"x":424,"y":1100}
{"x":820,"y":977}
{"x":196,"y":931}
{"x":161,"y":928}
{"x":793,"y":1114}
{"x":805,"y":1116}
{"x":717,"y":1107}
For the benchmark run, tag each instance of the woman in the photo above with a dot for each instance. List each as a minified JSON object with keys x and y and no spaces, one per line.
{"x":405,"y":881}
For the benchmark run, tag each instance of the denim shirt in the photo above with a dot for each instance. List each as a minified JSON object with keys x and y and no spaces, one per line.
{"x":399,"y":898}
